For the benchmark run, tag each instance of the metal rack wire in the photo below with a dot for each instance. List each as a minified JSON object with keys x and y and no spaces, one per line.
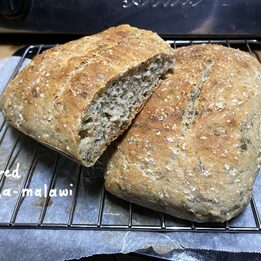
{"x":131,"y":216}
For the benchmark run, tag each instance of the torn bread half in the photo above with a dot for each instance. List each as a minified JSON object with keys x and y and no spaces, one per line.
{"x":80,"y":96}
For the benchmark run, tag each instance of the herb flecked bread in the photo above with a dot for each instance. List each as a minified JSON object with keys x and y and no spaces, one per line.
{"x":80,"y":96}
{"x":194,"y":150}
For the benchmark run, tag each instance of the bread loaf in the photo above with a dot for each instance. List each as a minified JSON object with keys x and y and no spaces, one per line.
{"x":78,"y":97}
{"x":194,"y":150}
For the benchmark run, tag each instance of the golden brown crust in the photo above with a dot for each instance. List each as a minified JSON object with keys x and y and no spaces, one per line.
{"x":47,"y":99}
{"x":192,"y":151}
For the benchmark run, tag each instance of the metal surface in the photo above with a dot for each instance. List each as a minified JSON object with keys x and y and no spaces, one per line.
{"x":166,"y":17}
{"x":130,"y":213}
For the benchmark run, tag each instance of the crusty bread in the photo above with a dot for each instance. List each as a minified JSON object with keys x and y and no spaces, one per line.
{"x":192,"y":152}
{"x":78,"y":97}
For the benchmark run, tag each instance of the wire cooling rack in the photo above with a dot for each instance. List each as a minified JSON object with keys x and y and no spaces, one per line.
{"x":88,"y":205}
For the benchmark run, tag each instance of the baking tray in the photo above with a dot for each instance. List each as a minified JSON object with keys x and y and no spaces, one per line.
{"x":88,"y":205}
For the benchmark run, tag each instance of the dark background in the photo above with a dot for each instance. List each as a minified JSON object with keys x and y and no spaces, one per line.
{"x":167,"y":17}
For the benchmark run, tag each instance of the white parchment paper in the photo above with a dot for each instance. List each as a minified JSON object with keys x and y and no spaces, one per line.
{"x":51,"y":244}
